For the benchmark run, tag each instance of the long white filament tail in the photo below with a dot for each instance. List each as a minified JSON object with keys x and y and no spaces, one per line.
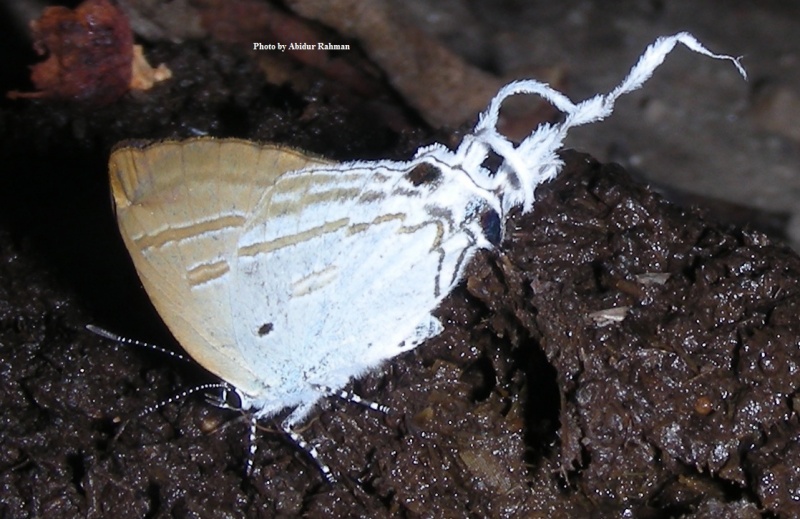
{"x":534,"y":160}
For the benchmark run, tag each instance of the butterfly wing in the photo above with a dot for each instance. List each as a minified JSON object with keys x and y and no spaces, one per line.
{"x":181,"y":207}
{"x":339,"y":268}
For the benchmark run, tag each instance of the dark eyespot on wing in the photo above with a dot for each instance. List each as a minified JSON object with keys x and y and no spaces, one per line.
{"x":490,"y":224}
{"x":423,"y":174}
{"x":265,"y":329}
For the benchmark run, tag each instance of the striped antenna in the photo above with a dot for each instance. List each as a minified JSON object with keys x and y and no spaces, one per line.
{"x":102,"y":332}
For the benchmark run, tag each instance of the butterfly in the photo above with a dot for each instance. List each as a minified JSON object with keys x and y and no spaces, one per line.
{"x":288,"y":275}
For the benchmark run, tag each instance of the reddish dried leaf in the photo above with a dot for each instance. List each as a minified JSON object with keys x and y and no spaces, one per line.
{"x":90,"y":51}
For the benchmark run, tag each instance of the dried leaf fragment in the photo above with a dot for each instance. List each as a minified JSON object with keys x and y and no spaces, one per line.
{"x":609,"y":316}
{"x":144,"y":76}
{"x":90,"y":55}
{"x":653,"y":278}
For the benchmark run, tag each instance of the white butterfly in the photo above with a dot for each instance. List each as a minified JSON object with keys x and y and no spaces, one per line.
{"x":287,"y":275}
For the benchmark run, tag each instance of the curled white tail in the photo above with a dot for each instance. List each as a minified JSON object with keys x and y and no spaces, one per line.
{"x":534,"y":160}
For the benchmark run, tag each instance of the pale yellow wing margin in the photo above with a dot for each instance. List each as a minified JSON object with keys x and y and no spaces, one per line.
{"x":180,"y":207}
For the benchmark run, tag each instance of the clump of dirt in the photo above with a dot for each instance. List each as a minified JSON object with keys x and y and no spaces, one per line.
{"x":690,"y":396}
{"x":617,"y":354}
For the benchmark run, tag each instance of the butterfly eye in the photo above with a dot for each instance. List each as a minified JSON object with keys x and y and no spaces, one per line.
{"x":490,"y":225}
{"x":423,"y":173}
{"x":265,"y":329}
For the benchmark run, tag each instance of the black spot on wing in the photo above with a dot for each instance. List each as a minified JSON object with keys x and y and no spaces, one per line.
{"x":423,"y":173}
{"x":490,"y":225}
{"x":264,"y":329}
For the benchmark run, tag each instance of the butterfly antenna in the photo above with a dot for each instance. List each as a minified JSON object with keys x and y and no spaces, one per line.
{"x":180,"y":396}
{"x":174,"y":398}
{"x":102,"y":332}
{"x":217,"y":401}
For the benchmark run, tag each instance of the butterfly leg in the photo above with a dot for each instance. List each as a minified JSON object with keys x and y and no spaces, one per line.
{"x":287,"y":425}
{"x":253,"y":447}
{"x":349,"y":396}
{"x":300,"y":412}
{"x":223,"y":402}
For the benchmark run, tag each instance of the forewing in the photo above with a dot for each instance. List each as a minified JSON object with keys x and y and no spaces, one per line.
{"x":181,"y":207}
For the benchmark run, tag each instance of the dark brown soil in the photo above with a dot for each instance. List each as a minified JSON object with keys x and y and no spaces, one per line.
{"x":527,"y":405}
